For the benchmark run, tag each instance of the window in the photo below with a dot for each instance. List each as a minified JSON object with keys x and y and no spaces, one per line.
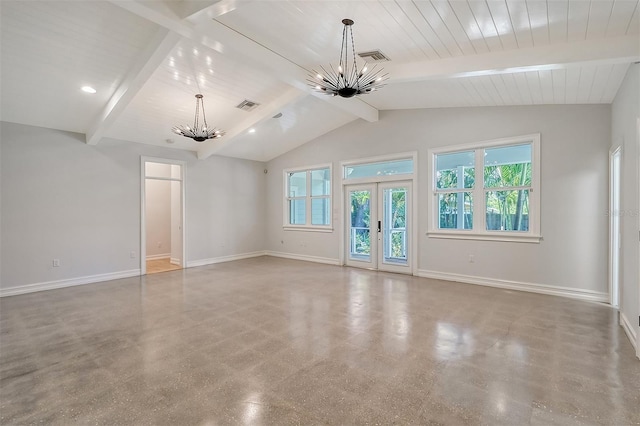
{"x":308,"y":198}
{"x":381,"y":168}
{"x":488,"y":190}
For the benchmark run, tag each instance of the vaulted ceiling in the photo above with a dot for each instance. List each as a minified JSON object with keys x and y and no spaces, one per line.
{"x":147,"y":60}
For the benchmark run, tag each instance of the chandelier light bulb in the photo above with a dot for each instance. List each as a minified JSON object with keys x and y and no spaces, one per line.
{"x":348,"y":81}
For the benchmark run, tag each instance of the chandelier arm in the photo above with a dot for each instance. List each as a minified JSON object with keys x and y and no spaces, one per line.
{"x":355,"y":78}
{"x":372,"y":76}
{"x":376,"y":72}
{"x":332,"y":77}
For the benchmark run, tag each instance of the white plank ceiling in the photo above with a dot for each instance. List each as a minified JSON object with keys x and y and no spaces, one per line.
{"x":147,"y":60}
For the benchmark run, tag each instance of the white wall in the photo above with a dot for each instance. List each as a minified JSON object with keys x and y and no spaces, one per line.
{"x":574,"y":148}
{"x":625,"y":113}
{"x":158,"y":217}
{"x":64,"y":199}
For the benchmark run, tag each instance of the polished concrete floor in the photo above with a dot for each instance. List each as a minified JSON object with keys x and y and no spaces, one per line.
{"x":275,"y":341}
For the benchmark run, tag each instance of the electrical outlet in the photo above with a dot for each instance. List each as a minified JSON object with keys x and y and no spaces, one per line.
{"x":132,"y":254}
{"x":56,"y":263}
{"x":159,"y":244}
{"x":472,"y":259}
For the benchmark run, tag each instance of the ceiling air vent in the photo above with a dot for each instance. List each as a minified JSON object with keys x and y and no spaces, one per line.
{"x":374,"y":56}
{"x":247,"y":105}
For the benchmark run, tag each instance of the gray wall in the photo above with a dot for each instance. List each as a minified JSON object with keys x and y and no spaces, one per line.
{"x":78,"y":203}
{"x":158,"y":217}
{"x":575,"y":143}
{"x":625,"y":113}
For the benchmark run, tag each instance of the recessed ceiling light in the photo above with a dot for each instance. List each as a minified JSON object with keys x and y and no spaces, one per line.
{"x":88,"y":89}
{"x":252,"y":130}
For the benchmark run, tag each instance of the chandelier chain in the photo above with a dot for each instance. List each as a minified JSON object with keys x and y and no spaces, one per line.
{"x":204,"y":116}
{"x":355,"y":65}
{"x":197,"y":118}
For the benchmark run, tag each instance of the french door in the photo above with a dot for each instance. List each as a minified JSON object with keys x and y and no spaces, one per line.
{"x":378,"y":226}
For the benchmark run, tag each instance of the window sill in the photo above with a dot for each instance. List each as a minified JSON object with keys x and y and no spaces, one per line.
{"x":308,"y":228}
{"x":528,"y":238}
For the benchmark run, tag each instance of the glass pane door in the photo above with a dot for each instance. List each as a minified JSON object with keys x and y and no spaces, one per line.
{"x":394,"y":212}
{"x":378,"y":231}
{"x":394,"y":236}
{"x":362,"y":226}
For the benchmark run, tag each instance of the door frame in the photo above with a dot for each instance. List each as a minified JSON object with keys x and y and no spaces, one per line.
{"x":613,"y":217}
{"x":143,"y":211}
{"x":380,"y":187}
{"x":413,"y":177}
{"x":372,"y":187}
{"x":637,"y":159}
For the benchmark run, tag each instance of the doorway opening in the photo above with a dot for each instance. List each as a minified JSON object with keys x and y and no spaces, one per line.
{"x":615,"y":158}
{"x":162,"y":216}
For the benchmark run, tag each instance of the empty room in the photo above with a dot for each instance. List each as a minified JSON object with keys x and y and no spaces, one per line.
{"x":320,"y":212}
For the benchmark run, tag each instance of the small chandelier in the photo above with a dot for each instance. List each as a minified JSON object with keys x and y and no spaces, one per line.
{"x":348,"y":81}
{"x":198,"y":133}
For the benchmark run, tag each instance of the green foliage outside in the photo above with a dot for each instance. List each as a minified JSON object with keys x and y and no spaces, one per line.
{"x":449,"y":201}
{"x":361,"y":218}
{"x":506,"y":209}
{"x":398,"y":220}
{"x":512,"y":205}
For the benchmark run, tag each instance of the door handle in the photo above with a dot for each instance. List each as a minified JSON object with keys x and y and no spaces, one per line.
{"x":379,"y":226}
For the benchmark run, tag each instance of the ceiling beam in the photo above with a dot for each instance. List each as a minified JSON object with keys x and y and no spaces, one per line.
{"x":146,"y":64}
{"x":264,"y":112}
{"x":589,"y":52}
{"x":202,"y":28}
{"x":159,"y":13}
{"x":192,"y":9}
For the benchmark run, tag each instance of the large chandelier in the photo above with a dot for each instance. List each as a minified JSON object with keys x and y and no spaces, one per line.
{"x":199,"y":132}
{"x":348,"y":81}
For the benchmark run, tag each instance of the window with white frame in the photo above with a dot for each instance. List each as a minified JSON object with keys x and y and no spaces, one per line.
{"x":488,"y":190}
{"x":308,"y":198}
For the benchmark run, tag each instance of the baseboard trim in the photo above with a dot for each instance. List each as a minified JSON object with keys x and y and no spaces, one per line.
{"x":71,"y":282}
{"x":221,"y":259}
{"x":304,"y":257}
{"x":158,"y":256}
{"x":629,"y":331}
{"x":573,"y":293}
{"x":175,"y":261}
